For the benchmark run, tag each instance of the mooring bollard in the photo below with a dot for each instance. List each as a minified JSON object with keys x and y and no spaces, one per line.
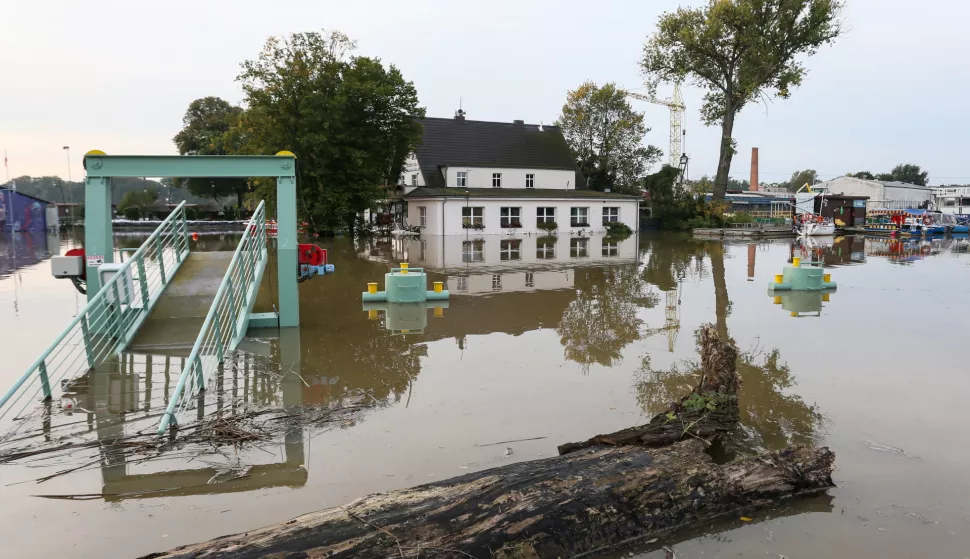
{"x":438,"y":286}
{"x":404,"y":268}
{"x":372,"y":288}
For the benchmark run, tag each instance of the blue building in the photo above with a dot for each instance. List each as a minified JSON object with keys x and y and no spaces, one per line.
{"x":22,"y":212}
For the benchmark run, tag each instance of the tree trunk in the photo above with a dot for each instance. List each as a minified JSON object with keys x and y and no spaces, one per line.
{"x":727,"y":152}
{"x":597,"y":498}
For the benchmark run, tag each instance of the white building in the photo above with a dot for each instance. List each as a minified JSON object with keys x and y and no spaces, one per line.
{"x":497,"y":177}
{"x":882,"y":194}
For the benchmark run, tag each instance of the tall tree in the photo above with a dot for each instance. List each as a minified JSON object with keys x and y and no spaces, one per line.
{"x":739,"y":51}
{"x":205,"y":131}
{"x":350,"y":121}
{"x":606,"y":136}
{"x":801,"y":178}
{"x":863,"y":175}
{"x":907,"y":172}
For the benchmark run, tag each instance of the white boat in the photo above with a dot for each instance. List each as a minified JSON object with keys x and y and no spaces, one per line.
{"x":815,"y":228}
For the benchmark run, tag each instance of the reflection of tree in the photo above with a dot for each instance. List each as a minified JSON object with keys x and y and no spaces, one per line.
{"x":602,"y":320}
{"x":772,"y":418}
{"x":673,"y":256}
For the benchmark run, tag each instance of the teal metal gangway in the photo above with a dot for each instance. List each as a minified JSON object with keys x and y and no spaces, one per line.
{"x":227,"y":321}
{"x":106,"y":325}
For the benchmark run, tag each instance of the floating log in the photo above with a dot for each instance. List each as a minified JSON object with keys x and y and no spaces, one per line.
{"x":612,"y":491}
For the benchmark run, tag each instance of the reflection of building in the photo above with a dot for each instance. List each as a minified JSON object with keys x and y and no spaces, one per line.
{"x":18,"y":250}
{"x":838,"y":251}
{"x":501,"y":176}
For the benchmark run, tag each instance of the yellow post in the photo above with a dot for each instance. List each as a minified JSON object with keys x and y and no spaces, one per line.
{"x":779,"y":278}
{"x":796,"y":261}
{"x":439,"y":312}
{"x":372,"y":288}
{"x":777,"y":299}
{"x":438,"y":287}
{"x":825,"y":297}
{"x":404,"y":268}
{"x":371,"y":314}
{"x":826,"y":277}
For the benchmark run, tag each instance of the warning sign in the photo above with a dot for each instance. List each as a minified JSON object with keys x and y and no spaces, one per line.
{"x":94,"y":260}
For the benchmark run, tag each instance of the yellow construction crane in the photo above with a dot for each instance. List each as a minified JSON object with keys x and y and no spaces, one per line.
{"x":677,"y":109}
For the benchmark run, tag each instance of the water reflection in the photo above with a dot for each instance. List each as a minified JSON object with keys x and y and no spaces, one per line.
{"x":18,"y":250}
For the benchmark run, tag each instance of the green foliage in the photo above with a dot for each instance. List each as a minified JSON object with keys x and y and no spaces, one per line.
{"x":141,"y":200}
{"x":739,"y":217}
{"x":605,"y":135}
{"x":191,"y":213}
{"x":618,"y":230}
{"x":206,"y":131}
{"x":800,"y":179}
{"x":862,"y":175}
{"x":739,"y":51}
{"x":547,"y":226}
{"x":230,"y":213}
{"x":350,"y":120}
{"x":132,"y":213}
{"x":677,"y":208}
{"x":907,"y":172}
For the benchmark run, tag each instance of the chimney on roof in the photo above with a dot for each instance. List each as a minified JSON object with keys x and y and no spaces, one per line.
{"x":754,"y":169}
{"x":460,"y":115}
{"x":518,"y":123}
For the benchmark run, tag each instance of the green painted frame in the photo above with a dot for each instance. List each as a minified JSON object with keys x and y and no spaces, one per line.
{"x":102,"y":168}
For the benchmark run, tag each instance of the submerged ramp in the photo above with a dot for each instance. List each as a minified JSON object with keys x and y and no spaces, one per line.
{"x":174,"y":324}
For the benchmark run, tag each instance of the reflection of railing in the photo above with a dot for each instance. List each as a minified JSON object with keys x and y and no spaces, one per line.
{"x":225,"y":324}
{"x":107,"y":323}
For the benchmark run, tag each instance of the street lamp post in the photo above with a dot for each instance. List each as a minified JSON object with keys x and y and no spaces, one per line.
{"x":67,"y":150}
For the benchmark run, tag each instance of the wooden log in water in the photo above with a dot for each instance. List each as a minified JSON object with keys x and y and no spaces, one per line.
{"x":610,"y":492}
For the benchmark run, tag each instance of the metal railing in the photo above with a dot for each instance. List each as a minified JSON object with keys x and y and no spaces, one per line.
{"x":225,"y":324}
{"x":106,"y":325}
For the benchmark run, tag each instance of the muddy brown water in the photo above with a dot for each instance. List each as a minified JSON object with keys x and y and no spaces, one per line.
{"x":542,"y":343}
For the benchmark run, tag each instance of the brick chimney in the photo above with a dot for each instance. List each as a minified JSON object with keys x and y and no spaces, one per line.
{"x":754,"y":169}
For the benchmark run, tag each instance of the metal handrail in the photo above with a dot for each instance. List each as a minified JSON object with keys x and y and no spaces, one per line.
{"x":224,"y":324}
{"x":105,"y":326}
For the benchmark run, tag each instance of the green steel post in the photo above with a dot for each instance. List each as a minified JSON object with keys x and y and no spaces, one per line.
{"x":161,"y":257}
{"x":232,"y":307}
{"x":45,"y":381}
{"x":116,"y":309}
{"x":185,"y":231}
{"x":142,"y":281}
{"x":286,"y":252}
{"x":198,"y":373}
{"x":86,"y":333}
{"x":98,"y":240}
{"x":218,"y":340}
{"x":174,"y":236}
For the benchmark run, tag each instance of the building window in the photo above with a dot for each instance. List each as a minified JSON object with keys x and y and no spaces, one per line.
{"x":510,"y":250}
{"x":414,"y":179}
{"x":578,"y":248}
{"x":530,"y":279}
{"x":473,"y":251}
{"x":530,"y":181}
{"x":496,"y":180}
{"x":579,"y":217}
{"x":510,"y":218}
{"x":545,"y":249}
{"x":463,"y":284}
{"x":610,"y":249}
{"x":423,"y":216}
{"x":496,"y":282}
{"x":545,"y":215}
{"x":611,"y":215}
{"x":462,"y":178}
{"x":473,"y":217}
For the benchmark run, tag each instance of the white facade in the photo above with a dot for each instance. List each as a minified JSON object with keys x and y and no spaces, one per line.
{"x":445,"y":216}
{"x":881,"y":195}
{"x":485,"y":177}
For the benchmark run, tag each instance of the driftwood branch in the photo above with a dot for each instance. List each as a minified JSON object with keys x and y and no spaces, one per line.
{"x":612,"y":491}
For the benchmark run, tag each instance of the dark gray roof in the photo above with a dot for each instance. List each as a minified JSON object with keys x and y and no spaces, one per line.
{"x":452,"y":192}
{"x":897,"y":184}
{"x":474,"y":143}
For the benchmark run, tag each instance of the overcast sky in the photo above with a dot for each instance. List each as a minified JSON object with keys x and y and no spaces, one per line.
{"x":118,"y":75}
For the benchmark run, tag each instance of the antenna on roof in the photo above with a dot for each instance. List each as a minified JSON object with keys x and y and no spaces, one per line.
{"x":540,"y":125}
{"x":459,"y":114}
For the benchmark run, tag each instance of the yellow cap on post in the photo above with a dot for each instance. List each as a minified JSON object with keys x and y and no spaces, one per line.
{"x":826,"y":277}
{"x":796,"y":262}
{"x":404,"y":268}
{"x":825,"y":297}
{"x":777,"y":299}
{"x":779,"y":278}
{"x":285,"y":153}
{"x":439,"y":312}
{"x":372,"y":288}
{"x":438,"y":286}
{"x":371,"y":314}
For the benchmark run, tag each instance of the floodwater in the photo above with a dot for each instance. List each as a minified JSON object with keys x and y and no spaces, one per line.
{"x":549,"y":342}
